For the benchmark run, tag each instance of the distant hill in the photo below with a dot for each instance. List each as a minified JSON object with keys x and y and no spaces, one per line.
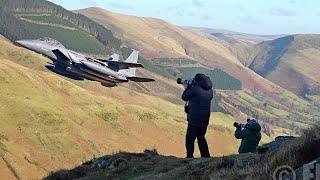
{"x":292,"y":62}
{"x":159,"y":39}
{"x":289,"y":61}
{"x":233,"y":37}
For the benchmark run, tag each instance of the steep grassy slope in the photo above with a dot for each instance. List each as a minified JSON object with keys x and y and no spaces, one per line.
{"x":157,"y":38}
{"x":50,"y":122}
{"x":291,"y":61}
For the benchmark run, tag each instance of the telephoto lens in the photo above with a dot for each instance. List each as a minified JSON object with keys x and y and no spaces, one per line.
{"x":179,"y":81}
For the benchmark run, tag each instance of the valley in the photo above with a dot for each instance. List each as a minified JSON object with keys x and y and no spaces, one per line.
{"x":265,"y":100}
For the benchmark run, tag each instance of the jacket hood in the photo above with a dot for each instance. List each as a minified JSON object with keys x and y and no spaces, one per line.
{"x":254,"y":126}
{"x":205,"y":83}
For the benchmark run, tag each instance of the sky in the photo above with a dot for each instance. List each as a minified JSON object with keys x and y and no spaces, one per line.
{"x":248,"y":16}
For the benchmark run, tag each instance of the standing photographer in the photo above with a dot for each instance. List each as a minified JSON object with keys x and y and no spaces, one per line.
{"x":198,"y":95}
{"x":249,"y":134}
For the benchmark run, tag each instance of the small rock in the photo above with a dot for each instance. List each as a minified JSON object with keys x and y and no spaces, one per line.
{"x":274,"y":145}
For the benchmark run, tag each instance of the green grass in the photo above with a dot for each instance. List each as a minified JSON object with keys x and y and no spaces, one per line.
{"x":221,"y":80}
{"x":315,"y":99}
{"x":77,"y":40}
{"x":164,"y":71}
{"x":248,"y":97}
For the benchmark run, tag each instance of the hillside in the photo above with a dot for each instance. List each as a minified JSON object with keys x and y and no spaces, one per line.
{"x":50,"y":122}
{"x":32,"y":19}
{"x":278,"y":109}
{"x":291,"y":61}
{"x":160,"y":39}
{"x":150,"y":165}
{"x":242,"y":45}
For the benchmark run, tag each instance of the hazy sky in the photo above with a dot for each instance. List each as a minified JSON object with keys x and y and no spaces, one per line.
{"x":250,"y":16}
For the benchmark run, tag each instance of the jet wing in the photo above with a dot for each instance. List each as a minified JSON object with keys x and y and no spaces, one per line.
{"x":124,"y":65}
{"x":60,"y":55}
{"x":140,"y":79}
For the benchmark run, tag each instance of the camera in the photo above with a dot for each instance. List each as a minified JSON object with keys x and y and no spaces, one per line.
{"x":236,"y":124}
{"x":188,"y":82}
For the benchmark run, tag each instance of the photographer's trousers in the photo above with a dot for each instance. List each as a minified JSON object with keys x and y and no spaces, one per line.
{"x":194,"y":132}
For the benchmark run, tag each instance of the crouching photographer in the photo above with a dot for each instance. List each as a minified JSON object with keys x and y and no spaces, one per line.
{"x":198,"y":95}
{"x":249,"y":134}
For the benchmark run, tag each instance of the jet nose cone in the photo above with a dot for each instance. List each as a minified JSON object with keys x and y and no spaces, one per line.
{"x":23,"y":43}
{"x":29,"y":44}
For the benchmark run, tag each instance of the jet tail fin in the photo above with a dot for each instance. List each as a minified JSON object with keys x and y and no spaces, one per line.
{"x":133,"y":58}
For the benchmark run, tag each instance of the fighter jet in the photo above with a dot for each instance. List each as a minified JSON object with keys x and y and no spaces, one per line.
{"x":109,"y":72}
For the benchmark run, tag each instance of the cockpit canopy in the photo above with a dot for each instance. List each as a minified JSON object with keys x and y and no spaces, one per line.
{"x":51,"y":41}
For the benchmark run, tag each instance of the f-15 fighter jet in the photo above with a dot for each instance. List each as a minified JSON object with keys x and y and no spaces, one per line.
{"x":72,"y":64}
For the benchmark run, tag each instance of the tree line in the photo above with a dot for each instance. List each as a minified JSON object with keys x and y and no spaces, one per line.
{"x":104,"y":35}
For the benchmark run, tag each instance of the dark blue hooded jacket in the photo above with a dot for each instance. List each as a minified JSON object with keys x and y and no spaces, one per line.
{"x":199,"y":97}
